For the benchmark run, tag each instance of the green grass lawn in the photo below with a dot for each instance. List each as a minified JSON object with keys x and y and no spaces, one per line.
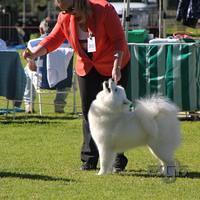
{"x":40,"y":160}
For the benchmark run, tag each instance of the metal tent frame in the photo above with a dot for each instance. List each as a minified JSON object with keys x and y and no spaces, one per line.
{"x":126,"y":14}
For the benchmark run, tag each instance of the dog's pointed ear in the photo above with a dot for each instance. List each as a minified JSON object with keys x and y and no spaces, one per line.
{"x":106,"y":86}
{"x":112,"y":84}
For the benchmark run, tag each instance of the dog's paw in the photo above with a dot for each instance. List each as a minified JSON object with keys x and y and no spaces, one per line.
{"x":101,"y":172}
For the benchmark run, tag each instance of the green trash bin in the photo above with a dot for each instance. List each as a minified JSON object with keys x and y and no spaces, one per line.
{"x":137,"y":36}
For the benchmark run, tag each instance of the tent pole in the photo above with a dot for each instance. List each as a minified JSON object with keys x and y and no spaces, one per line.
{"x":48,"y":8}
{"x":24,"y":13}
{"x":123,"y":15}
{"x":127,"y":16}
{"x":160,"y":18}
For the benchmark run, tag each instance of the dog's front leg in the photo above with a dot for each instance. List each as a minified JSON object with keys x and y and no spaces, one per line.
{"x":106,"y":157}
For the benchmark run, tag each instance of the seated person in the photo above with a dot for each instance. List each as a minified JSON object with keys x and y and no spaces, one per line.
{"x":63,"y":83}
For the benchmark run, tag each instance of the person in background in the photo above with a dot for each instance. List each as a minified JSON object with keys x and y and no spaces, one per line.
{"x":41,"y":65}
{"x":3,"y":45}
{"x":93,"y":29}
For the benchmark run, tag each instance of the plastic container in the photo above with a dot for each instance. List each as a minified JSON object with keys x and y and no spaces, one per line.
{"x":137,"y":36}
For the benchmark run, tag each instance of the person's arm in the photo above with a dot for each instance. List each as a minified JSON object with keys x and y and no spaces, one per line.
{"x":34,"y":53}
{"x":116,"y":34}
{"x":57,"y":35}
{"x":49,"y":43}
{"x":116,"y":72}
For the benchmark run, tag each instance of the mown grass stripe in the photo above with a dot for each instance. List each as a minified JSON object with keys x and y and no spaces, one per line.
{"x":185,"y":78}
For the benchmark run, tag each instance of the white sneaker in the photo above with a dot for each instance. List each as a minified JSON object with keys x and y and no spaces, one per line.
{"x":29,"y":108}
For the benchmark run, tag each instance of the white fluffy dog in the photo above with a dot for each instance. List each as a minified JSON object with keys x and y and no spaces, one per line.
{"x":115,"y":128}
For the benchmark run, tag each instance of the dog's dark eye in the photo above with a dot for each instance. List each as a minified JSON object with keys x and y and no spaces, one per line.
{"x":115,"y":89}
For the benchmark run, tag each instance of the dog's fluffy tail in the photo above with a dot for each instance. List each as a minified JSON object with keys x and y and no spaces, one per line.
{"x":148,"y":110}
{"x":156,"y":105}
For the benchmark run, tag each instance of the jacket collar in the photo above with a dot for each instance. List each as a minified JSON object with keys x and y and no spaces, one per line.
{"x":74,"y":32}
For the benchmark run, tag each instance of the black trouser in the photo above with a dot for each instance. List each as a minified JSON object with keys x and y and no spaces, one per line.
{"x":89,"y":86}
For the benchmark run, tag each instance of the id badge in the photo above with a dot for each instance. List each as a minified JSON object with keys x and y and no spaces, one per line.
{"x":91,"y":44}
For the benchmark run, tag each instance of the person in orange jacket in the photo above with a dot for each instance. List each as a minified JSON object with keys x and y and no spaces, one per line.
{"x":94,"y":31}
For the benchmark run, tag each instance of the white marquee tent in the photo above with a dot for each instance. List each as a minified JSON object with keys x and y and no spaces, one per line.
{"x":126,"y":12}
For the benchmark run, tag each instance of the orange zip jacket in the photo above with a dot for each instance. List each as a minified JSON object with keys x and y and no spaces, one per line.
{"x":105,"y":26}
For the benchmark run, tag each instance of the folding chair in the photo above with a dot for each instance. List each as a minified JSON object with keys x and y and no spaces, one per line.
{"x":53,"y":71}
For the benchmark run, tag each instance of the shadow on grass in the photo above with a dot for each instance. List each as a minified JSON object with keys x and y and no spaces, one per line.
{"x":33,"y":177}
{"x":139,"y":173}
{"x":37,"y":119}
{"x":194,"y":175}
{"x":146,"y":174}
{"x":190,"y":119}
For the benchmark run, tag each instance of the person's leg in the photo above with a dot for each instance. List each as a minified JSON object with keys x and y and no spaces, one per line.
{"x":60,"y":99}
{"x":29,"y":93}
{"x":121,"y":160}
{"x":89,"y":86}
{"x":63,"y":89}
{"x":124,"y":76}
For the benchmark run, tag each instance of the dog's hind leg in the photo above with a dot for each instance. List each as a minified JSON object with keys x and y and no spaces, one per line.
{"x":166,"y":156}
{"x":106,"y":157}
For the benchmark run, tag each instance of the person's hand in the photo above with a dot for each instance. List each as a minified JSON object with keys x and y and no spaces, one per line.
{"x":31,"y":64}
{"x":116,"y":74}
{"x":28,"y":54}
